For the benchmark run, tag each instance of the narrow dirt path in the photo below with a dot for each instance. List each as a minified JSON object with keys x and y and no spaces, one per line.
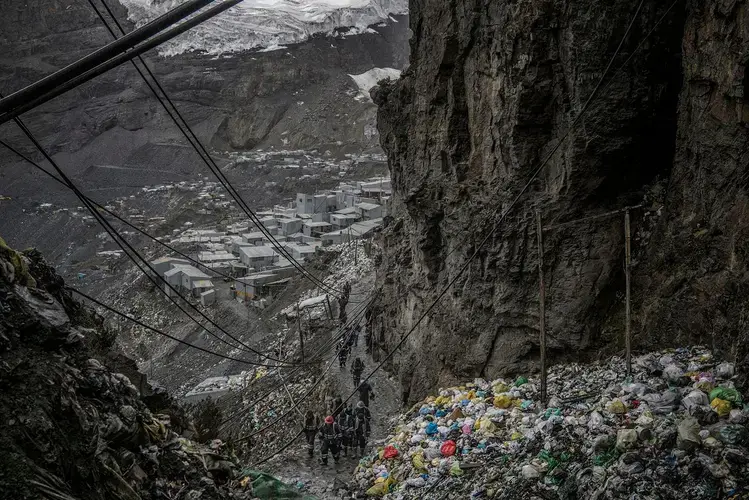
{"x":329,"y":482}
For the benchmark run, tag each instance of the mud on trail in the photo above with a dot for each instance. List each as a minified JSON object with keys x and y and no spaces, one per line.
{"x":334,"y":481}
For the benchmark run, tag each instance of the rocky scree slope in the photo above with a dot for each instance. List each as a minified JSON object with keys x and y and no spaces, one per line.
{"x":74,"y":424}
{"x":491,"y":88}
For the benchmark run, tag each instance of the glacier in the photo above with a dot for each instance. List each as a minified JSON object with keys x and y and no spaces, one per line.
{"x":266,"y":23}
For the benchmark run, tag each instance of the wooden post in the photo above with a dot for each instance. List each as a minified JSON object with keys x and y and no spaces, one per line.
{"x":330,"y":308}
{"x":627,"y":265}
{"x":299,"y":327}
{"x":541,"y":305}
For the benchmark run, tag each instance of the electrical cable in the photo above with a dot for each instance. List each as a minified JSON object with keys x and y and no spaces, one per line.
{"x":153,"y":329}
{"x":200,"y":149}
{"x":117,"y":60}
{"x":120,"y":241}
{"x":483,"y":242}
{"x":102,"y":54}
{"x":585,"y":107}
{"x":119,"y":218}
{"x":355,"y":319}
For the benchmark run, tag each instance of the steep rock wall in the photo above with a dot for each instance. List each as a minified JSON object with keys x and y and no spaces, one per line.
{"x":491,"y":89}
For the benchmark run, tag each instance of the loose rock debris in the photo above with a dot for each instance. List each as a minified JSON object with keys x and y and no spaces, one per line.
{"x":677,"y":429}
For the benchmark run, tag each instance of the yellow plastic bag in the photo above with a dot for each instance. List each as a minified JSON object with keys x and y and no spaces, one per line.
{"x":378,"y":490}
{"x":442,"y":401}
{"x":486,"y":427}
{"x":499,"y":388}
{"x":502,"y":401}
{"x":471,"y":395}
{"x":721,"y":406}
{"x":418,"y":462}
{"x":516,"y":435}
{"x":616,"y":407}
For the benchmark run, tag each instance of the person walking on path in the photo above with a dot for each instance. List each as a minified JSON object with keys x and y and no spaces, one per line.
{"x":343,"y":351}
{"x":365,"y":391}
{"x":330,"y":439}
{"x":310,"y":425}
{"x":362,"y":428}
{"x":346,"y":422}
{"x":336,"y":406}
{"x":357,"y":368}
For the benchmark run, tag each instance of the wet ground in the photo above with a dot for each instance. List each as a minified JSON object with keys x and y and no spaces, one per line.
{"x":332,"y":481}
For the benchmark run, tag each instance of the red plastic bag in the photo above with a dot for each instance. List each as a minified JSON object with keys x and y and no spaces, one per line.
{"x":448,"y":448}
{"x":390,"y":452}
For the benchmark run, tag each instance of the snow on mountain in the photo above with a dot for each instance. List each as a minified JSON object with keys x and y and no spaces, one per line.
{"x":266,"y":23}
{"x":369,"y":79}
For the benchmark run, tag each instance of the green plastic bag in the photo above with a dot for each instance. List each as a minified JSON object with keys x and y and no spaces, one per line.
{"x":267,"y":487}
{"x":520,"y":381}
{"x":727,"y":394}
{"x":455,"y":469}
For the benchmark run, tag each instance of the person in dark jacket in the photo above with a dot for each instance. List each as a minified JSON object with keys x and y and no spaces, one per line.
{"x":330,"y":438}
{"x":357,"y":368}
{"x":310,"y":425}
{"x":365,"y":391}
{"x":343,"y":352}
{"x":336,"y":406}
{"x":346,"y":422}
{"x":362,"y":428}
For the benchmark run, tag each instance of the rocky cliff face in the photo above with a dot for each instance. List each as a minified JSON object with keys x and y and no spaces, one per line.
{"x":78,"y":419}
{"x":492,"y":87}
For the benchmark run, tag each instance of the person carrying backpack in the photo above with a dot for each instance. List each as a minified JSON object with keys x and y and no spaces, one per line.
{"x":357,"y":368}
{"x":310,"y":426}
{"x":346,"y":422}
{"x":330,"y":438}
{"x":362,"y":428}
{"x":365,"y":391}
{"x":343,"y":352}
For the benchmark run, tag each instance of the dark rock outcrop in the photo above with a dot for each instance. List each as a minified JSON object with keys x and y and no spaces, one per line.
{"x":493,"y":86}
{"x":78,"y":420}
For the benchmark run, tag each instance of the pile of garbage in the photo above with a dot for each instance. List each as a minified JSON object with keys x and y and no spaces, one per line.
{"x":78,"y":420}
{"x":675,"y":428}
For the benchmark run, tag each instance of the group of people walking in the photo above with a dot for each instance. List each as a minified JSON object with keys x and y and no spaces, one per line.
{"x":347,"y":428}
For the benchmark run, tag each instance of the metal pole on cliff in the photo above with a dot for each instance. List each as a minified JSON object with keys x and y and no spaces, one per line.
{"x":627,"y":265}
{"x":299,"y":326}
{"x":541,"y":304}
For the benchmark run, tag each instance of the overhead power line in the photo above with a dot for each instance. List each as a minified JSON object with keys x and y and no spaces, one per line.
{"x":31,"y":98}
{"x":483,"y":242}
{"x":205,"y":156}
{"x":101,"y":55}
{"x":125,"y":246}
{"x":156,"y":330}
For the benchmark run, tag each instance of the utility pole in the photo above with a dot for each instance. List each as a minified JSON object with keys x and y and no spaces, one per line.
{"x":330,"y":308}
{"x":541,"y":304}
{"x":299,"y":327}
{"x":627,"y":266}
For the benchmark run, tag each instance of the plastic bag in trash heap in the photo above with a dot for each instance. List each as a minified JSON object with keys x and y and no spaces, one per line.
{"x":727,"y":394}
{"x":390,"y":452}
{"x":688,"y":434}
{"x":662,"y":403}
{"x":455,"y":469}
{"x":724,"y":370}
{"x":721,"y":407}
{"x":448,"y":448}
{"x":694,"y":399}
{"x":672,"y":373}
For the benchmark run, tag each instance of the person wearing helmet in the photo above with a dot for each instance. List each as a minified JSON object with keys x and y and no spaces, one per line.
{"x":330,"y":438}
{"x":310,"y":425}
{"x":362,"y":428}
